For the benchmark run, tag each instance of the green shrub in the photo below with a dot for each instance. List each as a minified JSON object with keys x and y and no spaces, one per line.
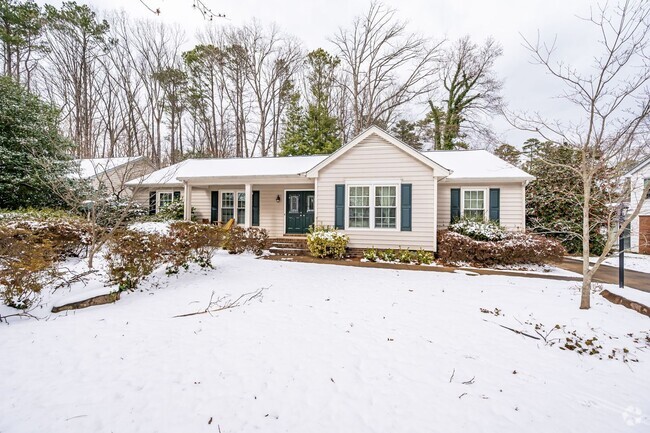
{"x":479,"y":230}
{"x":371,"y":255}
{"x":388,"y":255}
{"x":132,"y":256}
{"x":326,"y":242}
{"x":515,"y":248}
{"x":423,"y":257}
{"x":240,"y":240}
{"x":404,"y":256}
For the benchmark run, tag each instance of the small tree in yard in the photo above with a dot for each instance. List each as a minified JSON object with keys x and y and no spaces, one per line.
{"x":614,"y":101}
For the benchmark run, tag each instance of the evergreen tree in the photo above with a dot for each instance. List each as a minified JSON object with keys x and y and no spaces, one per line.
{"x":32,"y":150}
{"x":408,"y":133}
{"x":552,"y":199}
{"x":313,"y":130}
{"x":509,"y":153}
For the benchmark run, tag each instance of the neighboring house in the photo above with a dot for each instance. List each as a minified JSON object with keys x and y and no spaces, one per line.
{"x":378,"y":190}
{"x":112,"y":173}
{"x":640,"y":227}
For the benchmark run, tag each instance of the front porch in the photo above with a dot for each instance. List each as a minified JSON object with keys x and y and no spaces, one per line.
{"x":281,"y":206}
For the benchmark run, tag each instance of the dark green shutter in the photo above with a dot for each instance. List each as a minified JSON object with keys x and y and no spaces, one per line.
{"x":256,"y":208}
{"x":495,"y":204}
{"x":406,"y":207}
{"x":214,"y":206}
{"x":177,"y":195}
{"x":152,"y":202}
{"x":455,"y":204}
{"x":339,"y":201}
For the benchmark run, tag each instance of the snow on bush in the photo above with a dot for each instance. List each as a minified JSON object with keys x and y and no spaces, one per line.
{"x":31,"y":243}
{"x":419,"y":257}
{"x":478,"y":230}
{"x":240,"y":240}
{"x":326,"y":242}
{"x":192,"y":242}
{"x":514,"y":248}
{"x":132,"y":256}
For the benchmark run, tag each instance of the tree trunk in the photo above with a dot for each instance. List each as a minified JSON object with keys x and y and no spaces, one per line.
{"x":585,"y":298}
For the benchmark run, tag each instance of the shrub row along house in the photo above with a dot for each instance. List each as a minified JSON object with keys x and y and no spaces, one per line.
{"x":379,"y":191}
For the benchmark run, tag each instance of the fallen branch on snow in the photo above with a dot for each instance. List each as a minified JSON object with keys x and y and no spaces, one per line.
{"x":222,"y":303}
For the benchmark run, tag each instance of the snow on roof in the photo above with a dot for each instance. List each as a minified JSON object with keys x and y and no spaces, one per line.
{"x":230,"y":167}
{"x":92,"y":167}
{"x":464,"y":164}
{"x":476,"y":164}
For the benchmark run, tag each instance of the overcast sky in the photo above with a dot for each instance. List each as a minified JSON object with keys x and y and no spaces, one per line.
{"x":527,"y":87}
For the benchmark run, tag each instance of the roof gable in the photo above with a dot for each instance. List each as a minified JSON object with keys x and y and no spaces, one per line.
{"x":439,"y":169}
{"x":640,"y":166}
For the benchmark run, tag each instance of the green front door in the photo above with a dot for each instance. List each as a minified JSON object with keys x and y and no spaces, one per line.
{"x":299,"y":211}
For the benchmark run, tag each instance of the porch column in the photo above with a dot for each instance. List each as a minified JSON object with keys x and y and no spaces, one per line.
{"x":187,"y":213}
{"x":248,"y":205}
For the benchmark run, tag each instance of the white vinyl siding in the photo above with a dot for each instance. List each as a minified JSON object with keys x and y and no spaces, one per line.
{"x":637,"y":181}
{"x":512,"y":202}
{"x":375,"y":159}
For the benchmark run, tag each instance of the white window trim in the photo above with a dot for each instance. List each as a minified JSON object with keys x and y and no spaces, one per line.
{"x":372,"y":184}
{"x":166,"y":191}
{"x":486,"y":201}
{"x":235,"y":207}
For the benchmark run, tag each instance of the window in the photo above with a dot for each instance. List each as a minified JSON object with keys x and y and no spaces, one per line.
{"x":227,"y":206}
{"x":372,"y":206}
{"x":294,"y":203}
{"x":165,"y":199}
{"x":645,"y":185}
{"x":241,"y":207}
{"x":385,"y":207}
{"x":310,"y":203}
{"x":474,"y":204}
{"x":359,"y":206}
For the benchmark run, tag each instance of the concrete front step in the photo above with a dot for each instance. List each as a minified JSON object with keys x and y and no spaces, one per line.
{"x":287,"y":251}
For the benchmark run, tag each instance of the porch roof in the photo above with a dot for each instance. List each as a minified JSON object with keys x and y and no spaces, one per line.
{"x":215,"y":170}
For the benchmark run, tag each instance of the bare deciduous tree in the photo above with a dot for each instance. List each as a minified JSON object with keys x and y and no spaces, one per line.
{"x":387,"y":66}
{"x":471,"y":91}
{"x":613,"y":102}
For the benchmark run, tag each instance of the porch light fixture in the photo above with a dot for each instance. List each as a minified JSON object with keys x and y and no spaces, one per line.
{"x":277,"y":199}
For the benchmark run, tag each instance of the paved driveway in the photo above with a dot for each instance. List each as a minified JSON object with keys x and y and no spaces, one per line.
{"x":609,"y":274}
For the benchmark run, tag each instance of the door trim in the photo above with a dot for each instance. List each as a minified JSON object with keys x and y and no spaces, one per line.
{"x":284,"y":206}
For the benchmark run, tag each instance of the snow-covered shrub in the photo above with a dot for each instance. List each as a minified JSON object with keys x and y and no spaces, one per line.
{"x":27,"y":261}
{"x":191,"y":242}
{"x":370,"y":255}
{"x":132,"y":256}
{"x":326,"y":242}
{"x":68,"y":234}
{"x":240,"y":240}
{"x":387,"y":255}
{"x":404,"y":256}
{"x":423,"y":257}
{"x":113,"y":211}
{"x":514,"y":248}
{"x":479,"y":230}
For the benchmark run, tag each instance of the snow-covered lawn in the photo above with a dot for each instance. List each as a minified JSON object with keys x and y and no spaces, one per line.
{"x":326,"y":349}
{"x":633,"y":262}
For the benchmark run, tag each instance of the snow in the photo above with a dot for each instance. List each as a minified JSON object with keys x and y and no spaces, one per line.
{"x":151,"y":227}
{"x":91,"y":167}
{"x":633,"y":262}
{"x":476,"y":164}
{"x":464,"y":164}
{"x":327,"y":348}
{"x":230,"y":167}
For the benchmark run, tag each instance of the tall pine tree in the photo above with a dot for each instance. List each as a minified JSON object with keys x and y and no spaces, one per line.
{"x":313,"y":130}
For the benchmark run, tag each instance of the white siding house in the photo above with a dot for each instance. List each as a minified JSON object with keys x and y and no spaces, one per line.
{"x":378,"y":190}
{"x":640,"y":226}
